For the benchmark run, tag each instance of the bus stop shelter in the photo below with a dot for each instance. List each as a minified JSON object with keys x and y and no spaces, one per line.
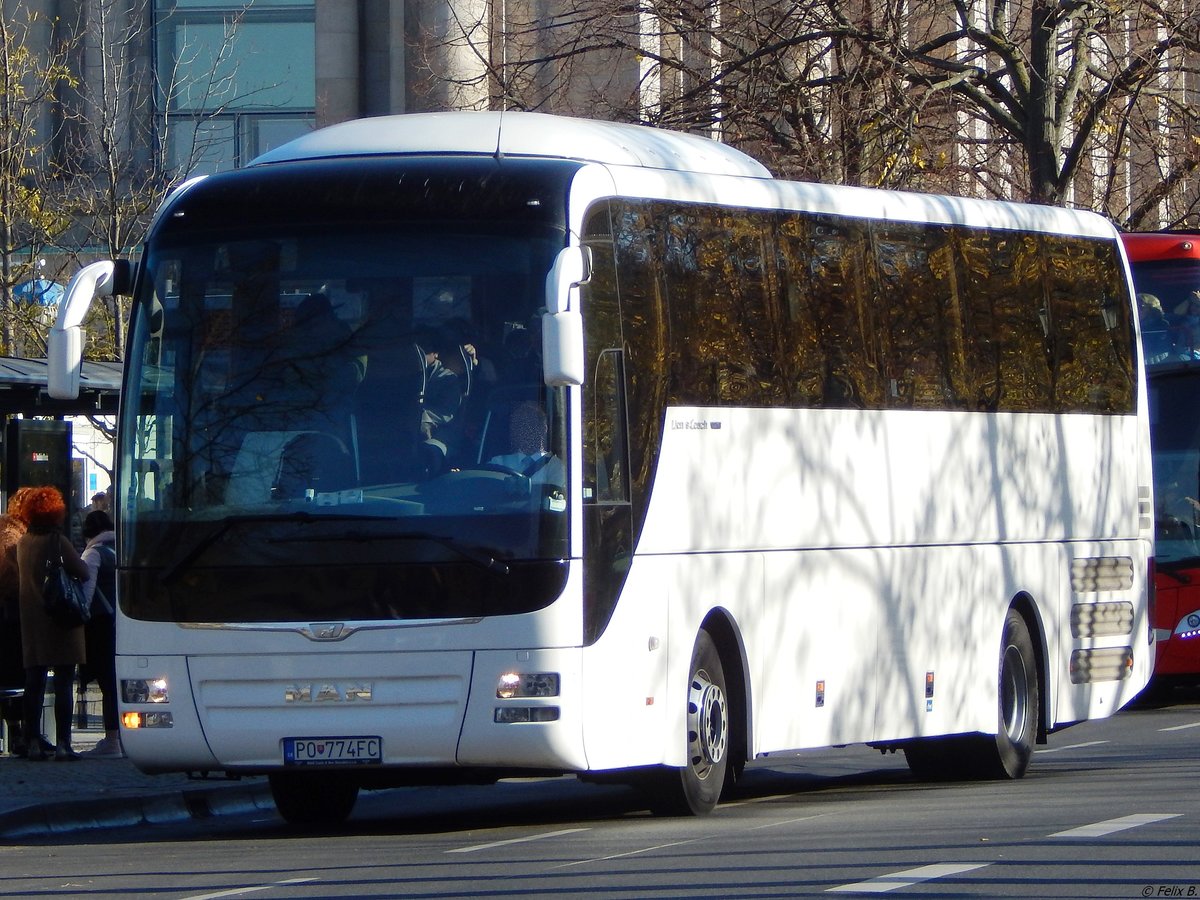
{"x":37,"y":447}
{"x":23,"y":389}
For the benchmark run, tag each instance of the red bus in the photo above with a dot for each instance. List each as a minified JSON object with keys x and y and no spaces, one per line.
{"x":1166,"y":275}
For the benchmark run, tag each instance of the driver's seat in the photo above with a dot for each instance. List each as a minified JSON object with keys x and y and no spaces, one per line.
{"x":274,"y":465}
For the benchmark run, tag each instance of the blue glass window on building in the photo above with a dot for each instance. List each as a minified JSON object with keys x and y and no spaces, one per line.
{"x":235,"y":80}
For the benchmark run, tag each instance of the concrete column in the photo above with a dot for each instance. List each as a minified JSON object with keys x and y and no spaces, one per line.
{"x":449,"y":42}
{"x":468,"y":45}
{"x":338,"y":54}
{"x":383,"y":55}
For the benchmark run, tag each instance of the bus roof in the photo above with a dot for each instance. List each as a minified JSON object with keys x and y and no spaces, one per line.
{"x":1151,"y":246}
{"x":520,"y":134}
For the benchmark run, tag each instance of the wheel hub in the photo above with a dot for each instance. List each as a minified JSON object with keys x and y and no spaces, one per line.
{"x":1013,"y":699}
{"x":708,"y":724}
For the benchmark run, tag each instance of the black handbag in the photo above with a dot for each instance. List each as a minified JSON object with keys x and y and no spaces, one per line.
{"x":62,"y":594}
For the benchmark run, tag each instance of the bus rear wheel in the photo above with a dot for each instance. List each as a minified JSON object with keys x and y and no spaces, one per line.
{"x":695,"y":788}
{"x":313,"y":800}
{"x":1007,"y":753}
{"x":1019,"y":705}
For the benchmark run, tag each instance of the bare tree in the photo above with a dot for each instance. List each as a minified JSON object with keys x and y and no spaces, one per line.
{"x":1049,"y":93}
{"x":33,"y":70}
{"x":126,"y":154}
{"x":1058,"y":101}
{"x":123,"y":155}
{"x":115,"y":179}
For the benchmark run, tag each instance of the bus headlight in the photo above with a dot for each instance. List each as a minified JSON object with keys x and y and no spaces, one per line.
{"x":517,"y":684}
{"x":144,"y":690}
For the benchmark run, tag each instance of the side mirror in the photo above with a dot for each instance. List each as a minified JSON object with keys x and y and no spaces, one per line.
{"x":562,"y":324}
{"x":64,"y":344}
{"x":122,"y":278}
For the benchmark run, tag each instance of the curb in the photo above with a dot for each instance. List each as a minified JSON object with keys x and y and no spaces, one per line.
{"x":121,"y":812}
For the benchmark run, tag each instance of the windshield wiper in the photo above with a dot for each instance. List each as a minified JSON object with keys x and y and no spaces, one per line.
{"x":1172,"y":568}
{"x":479,"y":557}
{"x":172,"y":571}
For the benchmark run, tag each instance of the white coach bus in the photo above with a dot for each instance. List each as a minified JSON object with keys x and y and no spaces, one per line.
{"x":463,"y":446}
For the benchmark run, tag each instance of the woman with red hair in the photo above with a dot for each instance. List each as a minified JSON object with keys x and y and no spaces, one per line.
{"x":12,"y":669}
{"x":46,"y":645}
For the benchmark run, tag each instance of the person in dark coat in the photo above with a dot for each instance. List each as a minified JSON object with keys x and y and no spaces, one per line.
{"x":100,"y":590}
{"x":46,"y":645}
{"x":12,"y":669}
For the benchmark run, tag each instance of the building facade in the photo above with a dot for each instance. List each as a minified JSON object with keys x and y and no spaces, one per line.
{"x":208,"y":85}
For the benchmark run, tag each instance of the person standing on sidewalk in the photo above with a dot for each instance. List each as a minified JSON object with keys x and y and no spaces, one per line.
{"x":12,"y":669}
{"x":45,"y":644}
{"x":100,"y":633}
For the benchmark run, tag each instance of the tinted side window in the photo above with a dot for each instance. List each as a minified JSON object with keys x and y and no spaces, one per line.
{"x":1007,"y":320}
{"x":605,"y":467}
{"x":648,"y":354}
{"x":1091,"y":322}
{"x":922,"y":326}
{"x":723,"y":333}
{"x":831,"y":311}
{"x":783,"y":308}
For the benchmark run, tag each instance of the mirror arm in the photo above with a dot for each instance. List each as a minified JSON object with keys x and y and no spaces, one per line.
{"x":64,"y":343}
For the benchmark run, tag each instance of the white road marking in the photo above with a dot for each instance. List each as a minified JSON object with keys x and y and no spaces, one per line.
{"x":885,"y":883}
{"x":750,"y":800}
{"x":580,"y":862}
{"x":523,"y":840}
{"x":237,"y":892}
{"x":1099,"y":829}
{"x":1072,"y":747}
{"x":787,"y":822}
{"x":1181,"y":727}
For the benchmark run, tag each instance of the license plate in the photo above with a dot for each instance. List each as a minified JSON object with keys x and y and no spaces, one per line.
{"x":332,"y":751}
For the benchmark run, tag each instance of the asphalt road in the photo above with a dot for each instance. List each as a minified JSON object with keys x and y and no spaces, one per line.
{"x":1108,"y":809}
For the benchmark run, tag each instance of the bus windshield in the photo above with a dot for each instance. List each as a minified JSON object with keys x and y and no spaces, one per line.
{"x":1166,"y":276}
{"x":1176,"y":444}
{"x":351,"y":400}
{"x":1168,"y":293}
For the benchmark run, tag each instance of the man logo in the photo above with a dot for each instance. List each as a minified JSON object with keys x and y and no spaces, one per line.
{"x":326,"y":631}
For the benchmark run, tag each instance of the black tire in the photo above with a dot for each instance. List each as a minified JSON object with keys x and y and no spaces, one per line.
{"x":695,"y":789}
{"x":1019,"y":703}
{"x":1007,"y":753}
{"x":318,"y":800}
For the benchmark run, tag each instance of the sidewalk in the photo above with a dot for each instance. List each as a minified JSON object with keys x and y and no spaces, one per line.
{"x":44,"y":798}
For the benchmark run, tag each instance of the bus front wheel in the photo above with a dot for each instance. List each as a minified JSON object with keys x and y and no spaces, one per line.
{"x":313,"y":800}
{"x":695,"y":788}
